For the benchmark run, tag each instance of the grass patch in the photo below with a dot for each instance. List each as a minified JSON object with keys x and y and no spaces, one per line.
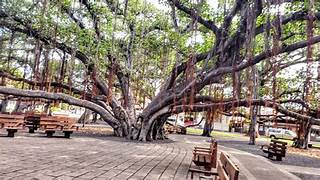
{"x":316,"y":145}
{"x":214,"y":133}
{"x":194,"y":131}
{"x":226,"y":134}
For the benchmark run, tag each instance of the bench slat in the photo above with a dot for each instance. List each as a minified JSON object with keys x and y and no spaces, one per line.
{"x":276,"y":148}
{"x":11,"y":121}
{"x":221,"y":172}
{"x":231,"y":169}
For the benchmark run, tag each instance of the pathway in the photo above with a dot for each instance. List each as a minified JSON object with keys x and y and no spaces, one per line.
{"x":36,"y":157}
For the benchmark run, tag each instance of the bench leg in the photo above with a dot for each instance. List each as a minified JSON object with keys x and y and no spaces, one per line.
{"x":279,"y":158}
{"x":270,"y":156}
{"x":50,"y":133}
{"x":67,"y":134}
{"x":207,"y":168}
{"x":11,"y":132}
{"x":31,"y":130}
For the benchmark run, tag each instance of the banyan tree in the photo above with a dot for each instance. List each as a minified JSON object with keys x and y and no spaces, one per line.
{"x":183,"y":55}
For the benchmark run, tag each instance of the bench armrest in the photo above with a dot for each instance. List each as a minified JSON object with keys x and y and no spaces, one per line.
{"x":199,"y":147}
{"x":202,"y":150}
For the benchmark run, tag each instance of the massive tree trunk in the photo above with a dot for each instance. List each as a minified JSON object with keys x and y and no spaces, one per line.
{"x":303,"y":139}
{"x":128,"y":102}
{"x":307,"y":135}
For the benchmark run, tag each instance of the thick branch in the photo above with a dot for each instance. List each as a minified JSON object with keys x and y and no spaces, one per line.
{"x":65,"y":98}
{"x":207,"y":23}
{"x":71,"y":15}
{"x":228,"y":18}
{"x":94,"y":17}
{"x":285,"y":19}
{"x":267,"y":54}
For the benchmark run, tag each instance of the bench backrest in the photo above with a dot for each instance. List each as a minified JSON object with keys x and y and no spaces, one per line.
{"x":227,"y":170}
{"x":11,"y":116}
{"x":11,"y":121}
{"x":57,"y":121}
{"x":278,"y":146}
{"x":278,"y":142}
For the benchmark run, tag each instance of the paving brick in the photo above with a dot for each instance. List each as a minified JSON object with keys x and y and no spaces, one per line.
{"x":32,"y":157}
{"x":64,"y":178}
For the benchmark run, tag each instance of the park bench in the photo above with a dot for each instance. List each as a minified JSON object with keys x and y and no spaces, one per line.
{"x":11,"y":123}
{"x":51,"y":124}
{"x":226,"y":169}
{"x":276,"y":148}
{"x":206,"y":156}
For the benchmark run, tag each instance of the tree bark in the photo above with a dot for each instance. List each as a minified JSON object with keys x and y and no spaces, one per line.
{"x":85,"y":117}
{"x":307,"y":136}
{"x":253,"y":131}
{"x":95,"y":118}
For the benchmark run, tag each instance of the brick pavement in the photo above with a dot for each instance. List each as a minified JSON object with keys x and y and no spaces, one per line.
{"x":36,"y":157}
{"x":33,"y":156}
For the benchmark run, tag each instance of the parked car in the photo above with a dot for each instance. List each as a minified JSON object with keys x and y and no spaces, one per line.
{"x":281,"y":134}
{"x":315,"y":136}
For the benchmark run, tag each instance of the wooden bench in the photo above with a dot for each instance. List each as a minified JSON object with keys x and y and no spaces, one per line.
{"x":51,"y":124}
{"x":206,"y":156}
{"x":276,"y":148}
{"x":12,"y":123}
{"x":226,"y":169}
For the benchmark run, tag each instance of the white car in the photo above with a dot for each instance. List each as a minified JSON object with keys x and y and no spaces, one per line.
{"x":281,"y":134}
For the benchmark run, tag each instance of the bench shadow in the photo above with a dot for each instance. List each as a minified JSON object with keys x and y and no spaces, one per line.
{"x":5,"y":136}
{"x":107,"y":137}
{"x":121,"y":139}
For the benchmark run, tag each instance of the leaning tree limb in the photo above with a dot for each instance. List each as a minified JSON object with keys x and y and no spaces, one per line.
{"x":106,"y":116}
